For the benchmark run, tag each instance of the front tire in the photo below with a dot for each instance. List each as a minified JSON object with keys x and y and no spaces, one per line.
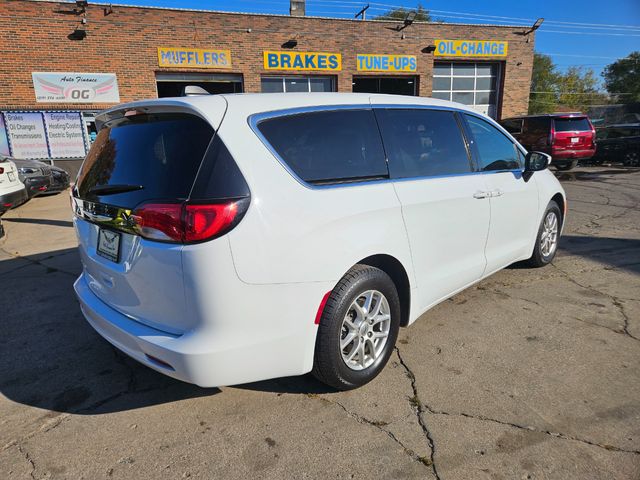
{"x":358,"y":329}
{"x":547,"y":238}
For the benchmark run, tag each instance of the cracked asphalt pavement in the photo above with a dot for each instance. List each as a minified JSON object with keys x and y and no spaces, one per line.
{"x":531,"y":374}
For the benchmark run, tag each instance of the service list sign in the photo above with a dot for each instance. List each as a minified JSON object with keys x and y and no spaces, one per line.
{"x":27,"y":137}
{"x":64,"y":132}
{"x":62,"y":87}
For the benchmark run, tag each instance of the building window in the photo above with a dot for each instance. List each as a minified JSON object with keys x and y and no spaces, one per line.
{"x":473,"y":84}
{"x":173,"y":84}
{"x":296,"y":83}
{"x":390,"y":85}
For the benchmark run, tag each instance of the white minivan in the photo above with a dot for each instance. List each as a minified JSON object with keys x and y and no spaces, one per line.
{"x":233,"y":238}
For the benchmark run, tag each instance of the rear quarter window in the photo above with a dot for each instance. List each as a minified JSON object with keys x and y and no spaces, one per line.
{"x":328,"y":146}
{"x":572,"y":124}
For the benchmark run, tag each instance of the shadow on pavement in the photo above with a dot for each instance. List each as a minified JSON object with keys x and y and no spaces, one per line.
{"x":51,"y":358}
{"x":592,"y":175}
{"x":621,"y":253}
{"x":41,"y":221}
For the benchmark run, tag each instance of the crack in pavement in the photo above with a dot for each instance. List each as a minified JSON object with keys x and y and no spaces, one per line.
{"x":26,"y":455}
{"x":616,"y":301}
{"x":379,"y":426}
{"x":563,"y":436}
{"x":44,"y":428}
{"x":418,"y":408}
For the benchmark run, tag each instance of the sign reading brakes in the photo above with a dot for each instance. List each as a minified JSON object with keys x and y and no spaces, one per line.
{"x":386,"y":63}
{"x":302,"y":61}
{"x":193,"y":58}
{"x":471,"y":48}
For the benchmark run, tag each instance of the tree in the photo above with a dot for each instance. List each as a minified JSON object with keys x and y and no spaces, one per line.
{"x":543,"y":85}
{"x":554,"y":91}
{"x":422,"y":15}
{"x":623,"y":76}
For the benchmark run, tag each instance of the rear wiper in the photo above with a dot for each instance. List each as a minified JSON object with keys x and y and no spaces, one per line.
{"x":111,"y":189}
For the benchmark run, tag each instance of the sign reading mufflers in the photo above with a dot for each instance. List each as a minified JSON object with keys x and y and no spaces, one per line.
{"x":471,"y":48}
{"x":386,"y":63}
{"x":311,"y":61}
{"x":193,"y":58}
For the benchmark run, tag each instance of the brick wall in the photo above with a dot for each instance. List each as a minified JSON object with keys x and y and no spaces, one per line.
{"x":33,"y":36}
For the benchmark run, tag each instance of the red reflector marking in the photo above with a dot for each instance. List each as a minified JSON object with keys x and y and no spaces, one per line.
{"x":321,"y":307}
{"x":158,"y":362}
{"x":42,"y":189}
{"x":7,"y":204}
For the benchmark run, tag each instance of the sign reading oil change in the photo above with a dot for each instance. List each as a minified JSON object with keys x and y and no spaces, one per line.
{"x":471,"y":48}
{"x":311,"y":61}
{"x":386,"y":63}
{"x":193,"y":58}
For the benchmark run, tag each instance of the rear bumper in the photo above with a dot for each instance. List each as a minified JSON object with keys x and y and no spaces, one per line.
{"x":565,"y":156}
{"x":37,"y":185}
{"x":13,"y":199}
{"x":225,"y":352}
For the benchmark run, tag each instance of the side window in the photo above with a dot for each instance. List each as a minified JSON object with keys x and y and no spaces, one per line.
{"x":513,"y":126}
{"x":422,"y":143}
{"x":538,"y":126}
{"x":328,"y":146}
{"x":496,"y":151}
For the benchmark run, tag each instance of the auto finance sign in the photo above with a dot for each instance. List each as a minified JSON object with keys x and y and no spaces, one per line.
{"x":62,"y":87}
{"x":471,"y":48}
{"x":309,"y":61}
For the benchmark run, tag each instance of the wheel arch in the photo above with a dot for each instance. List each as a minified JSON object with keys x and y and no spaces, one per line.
{"x":562,"y":203}
{"x":398,"y":273}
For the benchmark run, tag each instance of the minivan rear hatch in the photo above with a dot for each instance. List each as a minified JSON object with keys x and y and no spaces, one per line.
{"x":573,"y":133}
{"x":143,"y":154}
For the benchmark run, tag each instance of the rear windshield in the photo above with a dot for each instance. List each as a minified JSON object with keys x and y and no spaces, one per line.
{"x":580,"y":124}
{"x":328,"y":147}
{"x":160,"y":153}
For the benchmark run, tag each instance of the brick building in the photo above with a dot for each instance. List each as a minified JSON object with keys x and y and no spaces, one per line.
{"x":65,"y":57}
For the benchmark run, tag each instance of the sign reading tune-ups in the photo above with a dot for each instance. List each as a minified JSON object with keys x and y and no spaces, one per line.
{"x":471,"y":48}
{"x":310,"y":61}
{"x":385,"y":63}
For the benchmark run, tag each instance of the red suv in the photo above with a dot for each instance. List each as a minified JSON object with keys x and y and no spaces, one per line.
{"x":567,"y":137}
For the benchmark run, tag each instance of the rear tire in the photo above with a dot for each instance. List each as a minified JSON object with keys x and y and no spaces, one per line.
{"x":563,"y":167}
{"x":547,"y":238}
{"x":355,"y":339}
{"x":632,"y":159}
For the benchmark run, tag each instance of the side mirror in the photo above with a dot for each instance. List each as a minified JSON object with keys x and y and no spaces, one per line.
{"x":536,"y":161}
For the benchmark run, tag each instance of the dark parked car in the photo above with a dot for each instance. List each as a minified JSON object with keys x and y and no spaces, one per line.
{"x":35,"y":175}
{"x":619,"y":143}
{"x":567,"y":137}
{"x":59,"y":180}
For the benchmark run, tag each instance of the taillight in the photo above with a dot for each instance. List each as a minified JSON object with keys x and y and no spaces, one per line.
{"x":159,"y":221}
{"x":186,"y":223}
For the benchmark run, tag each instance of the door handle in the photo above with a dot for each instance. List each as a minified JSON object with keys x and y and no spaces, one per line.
{"x":481,"y":195}
{"x":496,"y":193}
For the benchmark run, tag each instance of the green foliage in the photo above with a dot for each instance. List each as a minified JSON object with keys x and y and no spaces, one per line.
{"x":623,"y":76}
{"x":422,"y":15}
{"x":553,"y":91}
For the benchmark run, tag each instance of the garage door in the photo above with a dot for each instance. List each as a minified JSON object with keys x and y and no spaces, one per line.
{"x":473,"y":84}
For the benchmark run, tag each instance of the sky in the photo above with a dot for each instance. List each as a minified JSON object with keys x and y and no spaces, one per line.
{"x":587,"y":33}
